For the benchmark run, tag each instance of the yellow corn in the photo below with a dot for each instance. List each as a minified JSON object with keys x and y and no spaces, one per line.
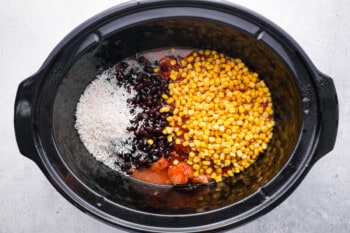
{"x":164,"y":109}
{"x":222,"y":110}
{"x":150,"y":141}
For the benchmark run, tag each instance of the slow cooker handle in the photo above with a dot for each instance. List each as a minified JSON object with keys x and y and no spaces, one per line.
{"x":23,"y":119}
{"x":328,"y":103}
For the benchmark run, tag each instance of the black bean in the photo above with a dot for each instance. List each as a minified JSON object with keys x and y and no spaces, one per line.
{"x":142,"y":130}
{"x":130,"y":101}
{"x":152,"y":119}
{"x":157,"y":83}
{"x":164,"y":68}
{"x":148,"y":164}
{"x":130,"y":128}
{"x":164,"y":124}
{"x":149,"y":103}
{"x":145,"y":90}
{"x":153,"y":78}
{"x":136,"y":156}
{"x":160,"y":144}
{"x":150,"y":123}
{"x":138,"y":117}
{"x":158,"y":130}
{"x":152,"y":111}
{"x":138,"y":87}
{"x":144,"y":97}
{"x":144,"y":77}
{"x":120,"y":78}
{"x":139,"y":77}
{"x":153,"y":90}
{"x":124,"y":65}
{"x":128,"y":165}
{"x":164,"y":87}
{"x":127,"y":77}
{"x":171,"y":144}
{"x":148,"y":69}
{"x":141,"y":59}
{"x":144,"y":116}
{"x":125,"y":155}
{"x":149,"y":129}
{"x":150,"y":97}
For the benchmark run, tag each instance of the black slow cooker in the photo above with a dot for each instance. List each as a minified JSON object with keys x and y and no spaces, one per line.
{"x":305,"y":105}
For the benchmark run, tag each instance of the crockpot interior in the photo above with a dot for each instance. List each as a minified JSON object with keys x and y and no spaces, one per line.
{"x":184,"y":33}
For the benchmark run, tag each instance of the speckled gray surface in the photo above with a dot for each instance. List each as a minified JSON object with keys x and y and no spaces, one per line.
{"x":29,"y":30}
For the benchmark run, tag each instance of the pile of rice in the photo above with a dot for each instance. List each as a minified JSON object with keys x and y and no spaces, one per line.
{"x":102,"y":116}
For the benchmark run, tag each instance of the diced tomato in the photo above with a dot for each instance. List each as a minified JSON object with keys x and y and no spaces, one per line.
{"x":166,"y":67}
{"x":182,"y":150}
{"x":264,"y":105}
{"x":159,"y":165}
{"x":150,"y":176}
{"x":180,"y":173}
{"x":201,"y":179}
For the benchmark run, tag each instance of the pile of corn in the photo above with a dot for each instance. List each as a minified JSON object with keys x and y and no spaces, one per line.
{"x":222,"y":112}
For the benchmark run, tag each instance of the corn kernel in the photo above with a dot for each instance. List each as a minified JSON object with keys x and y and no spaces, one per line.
{"x":207,"y":163}
{"x":209,"y":170}
{"x":196,"y":159}
{"x":218,"y":178}
{"x":222,"y":128}
{"x":218,"y":170}
{"x":165,"y":109}
{"x":226,"y":150}
{"x":150,"y":141}
{"x":173,"y":62}
{"x":173,"y":76}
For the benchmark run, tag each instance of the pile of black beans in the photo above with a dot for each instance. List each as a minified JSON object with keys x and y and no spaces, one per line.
{"x":149,"y":144}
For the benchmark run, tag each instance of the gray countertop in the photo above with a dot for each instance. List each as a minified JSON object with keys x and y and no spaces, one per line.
{"x":29,"y":30}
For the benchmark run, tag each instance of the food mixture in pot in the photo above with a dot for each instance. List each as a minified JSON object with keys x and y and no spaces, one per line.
{"x":176,"y":116}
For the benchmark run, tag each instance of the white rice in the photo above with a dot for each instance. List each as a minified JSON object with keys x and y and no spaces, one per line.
{"x":102,"y":116}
